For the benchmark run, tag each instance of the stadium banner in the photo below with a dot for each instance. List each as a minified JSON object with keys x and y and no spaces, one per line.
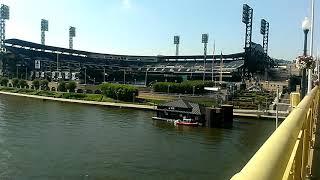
{"x":37,"y":64}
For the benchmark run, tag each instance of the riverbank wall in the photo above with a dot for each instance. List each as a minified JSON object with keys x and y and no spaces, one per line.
{"x":241,"y":113}
{"x":109,"y":104}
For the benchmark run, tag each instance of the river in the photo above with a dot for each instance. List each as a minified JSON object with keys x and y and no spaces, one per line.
{"x":54,"y":140}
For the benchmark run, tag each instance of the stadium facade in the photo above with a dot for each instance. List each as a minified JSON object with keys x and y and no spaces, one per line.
{"x":28,"y":60}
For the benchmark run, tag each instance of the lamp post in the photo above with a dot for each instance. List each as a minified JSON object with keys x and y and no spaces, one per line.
{"x":26,"y":73}
{"x":310,"y":71}
{"x":146,"y":78}
{"x":104,"y":74}
{"x":306,"y":29}
{"x":124,"y":76}
{"x":85,"y":75}
{"x":193,"y":89}
{"x":18,"y":65}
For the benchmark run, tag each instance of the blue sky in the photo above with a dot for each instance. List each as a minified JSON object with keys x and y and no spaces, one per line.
{"x":147,"y":27}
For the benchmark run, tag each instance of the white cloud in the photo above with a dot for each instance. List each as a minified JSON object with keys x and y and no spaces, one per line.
{"x":126,"y":4}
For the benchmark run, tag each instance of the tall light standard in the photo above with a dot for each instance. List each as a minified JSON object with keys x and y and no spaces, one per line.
{"x":44,"y":28}
{"x":264,"y":30}
{"x":72,"y":34}
{"x":205,"y":38}
{"x":176,"y":41}
{"x":247,"y":17}
{"x":4,"y":15}
{"x":306,"y":29}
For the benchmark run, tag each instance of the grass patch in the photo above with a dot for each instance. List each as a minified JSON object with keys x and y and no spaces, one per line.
{"x":27,"y":91}
{"x":156,"y":102}
{"x":94,"y":97}
{"x":107,"y":99}
{"x":47,"y":93}
{"x":73,"y":96}
{"x":8,"y":89}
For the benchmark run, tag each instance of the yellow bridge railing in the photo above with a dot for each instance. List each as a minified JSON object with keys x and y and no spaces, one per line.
{"x":288,"y":153}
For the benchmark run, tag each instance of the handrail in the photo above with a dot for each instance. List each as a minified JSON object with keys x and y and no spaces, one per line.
{"x":272,"y":159}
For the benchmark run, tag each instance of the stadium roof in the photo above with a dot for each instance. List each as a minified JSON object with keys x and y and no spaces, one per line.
{"x":32,"y":45}
{"x":18,"y":42}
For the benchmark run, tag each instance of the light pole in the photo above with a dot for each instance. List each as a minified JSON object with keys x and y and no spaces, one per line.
{"x":26,"y":73}
{"x":318,"y":65}
{"x":85,"y":76}
{"x":214,"y":49}
{"x":18,"y":70}
{"x":104,"y":74}
{"x":306,"y":29}
{"x":310,"y":71}
{"x":193,"y":89}
{"x":57,"y":62}
{"x":168,"y":88}
{"x":124,"y":76}
{"x":277,"y":108}
{"x":205,"y":38}
{"x":146,"y":78}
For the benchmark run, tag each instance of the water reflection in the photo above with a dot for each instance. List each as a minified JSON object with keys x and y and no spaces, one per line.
{"x":50,"y":139}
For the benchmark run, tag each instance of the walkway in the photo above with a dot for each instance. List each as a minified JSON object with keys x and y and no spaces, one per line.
{"x":111,"y":104}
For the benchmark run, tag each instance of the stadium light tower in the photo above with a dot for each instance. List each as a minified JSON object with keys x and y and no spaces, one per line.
{"x":264,"y":30}
{"x":4,"y":15}
{"x":176,"y":41}
{"x":247,"y":17}
{"x":72,"y":34}
{"x":44,"y":28}
{"x":205,"y":38}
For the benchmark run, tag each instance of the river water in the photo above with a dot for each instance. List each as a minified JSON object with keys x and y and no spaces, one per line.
{"x":54,"y":140}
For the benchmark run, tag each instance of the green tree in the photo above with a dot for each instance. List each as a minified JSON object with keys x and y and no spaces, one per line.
{"x":44,"y":84}
{"x":71,"y":86}
{"x":119,"y":91}
{"x":23,"y":83}
{"x":186,"y":87}
{"x":4,"y":81}
{"x":36,"y":84}
{"x":15,"y":82}
{"x":62,"y":86}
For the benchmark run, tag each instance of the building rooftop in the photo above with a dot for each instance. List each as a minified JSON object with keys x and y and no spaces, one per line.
{"x":185,"y":105}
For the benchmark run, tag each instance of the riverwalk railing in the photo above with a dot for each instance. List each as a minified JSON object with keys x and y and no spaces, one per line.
{"x":288,"y":152}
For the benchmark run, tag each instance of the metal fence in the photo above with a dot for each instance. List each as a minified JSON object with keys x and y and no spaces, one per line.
{"x":288,"y":153}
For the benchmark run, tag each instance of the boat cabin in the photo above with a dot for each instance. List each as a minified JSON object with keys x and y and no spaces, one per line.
{"x":180,"y":110}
